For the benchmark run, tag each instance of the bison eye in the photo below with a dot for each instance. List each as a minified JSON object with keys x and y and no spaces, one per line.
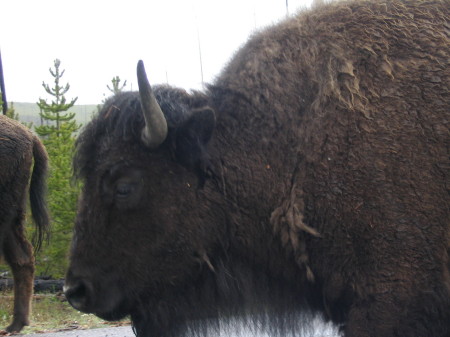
{"x":124,"y":189}
{"x":123,"y":186}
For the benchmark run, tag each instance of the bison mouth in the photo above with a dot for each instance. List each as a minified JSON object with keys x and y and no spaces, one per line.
{"x":106,"y":302}
{"x":119,"y":312}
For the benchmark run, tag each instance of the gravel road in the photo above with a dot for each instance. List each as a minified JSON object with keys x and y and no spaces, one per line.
{"x":124,"y":331}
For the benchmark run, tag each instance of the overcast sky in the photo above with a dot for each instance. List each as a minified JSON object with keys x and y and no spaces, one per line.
{"x":97,"y":40}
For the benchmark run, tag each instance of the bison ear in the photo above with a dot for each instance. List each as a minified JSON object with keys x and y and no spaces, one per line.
{"x":192,"y":137}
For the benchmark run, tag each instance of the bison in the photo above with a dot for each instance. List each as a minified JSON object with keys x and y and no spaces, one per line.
{"x":18,"y":147}
{"x":312,"y":175}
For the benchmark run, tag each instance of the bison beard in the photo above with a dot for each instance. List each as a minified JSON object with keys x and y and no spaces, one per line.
{"x":310,"y":178}
{"x":232,"y":296}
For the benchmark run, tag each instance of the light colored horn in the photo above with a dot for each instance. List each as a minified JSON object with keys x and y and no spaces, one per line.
{"x":155,"y":130}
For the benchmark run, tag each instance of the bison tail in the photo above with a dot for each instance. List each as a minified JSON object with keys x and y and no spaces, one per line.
{"x":38,"y":191}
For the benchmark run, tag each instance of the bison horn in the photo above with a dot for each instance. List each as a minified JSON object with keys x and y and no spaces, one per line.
{"x":155,"y":130}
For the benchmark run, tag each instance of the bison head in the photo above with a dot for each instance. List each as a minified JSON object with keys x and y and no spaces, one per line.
{"x":137,"y":234}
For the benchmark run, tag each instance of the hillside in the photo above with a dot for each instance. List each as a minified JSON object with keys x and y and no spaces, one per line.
{"x":29,"y":112}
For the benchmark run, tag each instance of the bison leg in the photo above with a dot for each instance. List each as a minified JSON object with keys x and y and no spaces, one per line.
{"x":18,"y":253}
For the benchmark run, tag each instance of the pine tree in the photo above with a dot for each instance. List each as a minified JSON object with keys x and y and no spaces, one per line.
{"x":60,"y":122}
{"x":62,"y":200}
{"x":116,"y":87}
{"x":58,"y":134}
{"x":11,"y":112}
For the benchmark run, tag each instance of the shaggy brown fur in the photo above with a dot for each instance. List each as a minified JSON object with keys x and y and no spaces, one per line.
{"x":18,"y":147}
{"x":325,"y":185}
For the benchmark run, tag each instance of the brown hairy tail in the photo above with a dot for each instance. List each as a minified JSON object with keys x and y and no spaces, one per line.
{"x":38,"y":191}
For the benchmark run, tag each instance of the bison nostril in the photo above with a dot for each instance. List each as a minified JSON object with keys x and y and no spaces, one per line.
{"x":78,"y":295}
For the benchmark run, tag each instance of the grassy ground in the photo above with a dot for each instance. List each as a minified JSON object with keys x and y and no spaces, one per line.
{"x":51,"y":313}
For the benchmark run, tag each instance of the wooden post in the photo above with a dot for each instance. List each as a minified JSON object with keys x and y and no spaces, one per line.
{"x":2,"y":86}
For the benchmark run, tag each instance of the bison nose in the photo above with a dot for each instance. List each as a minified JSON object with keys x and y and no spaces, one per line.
{"x":79,"y":294}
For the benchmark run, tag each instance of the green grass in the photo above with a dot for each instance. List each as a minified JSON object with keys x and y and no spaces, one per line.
{"x":51,"y":313}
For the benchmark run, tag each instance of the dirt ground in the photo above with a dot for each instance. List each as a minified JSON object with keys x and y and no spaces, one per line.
{"x":124,"y":331}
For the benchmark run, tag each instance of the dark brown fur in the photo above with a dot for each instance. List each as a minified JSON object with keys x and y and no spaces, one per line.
{"x":18,"y":147}
{"x":325,"y":185}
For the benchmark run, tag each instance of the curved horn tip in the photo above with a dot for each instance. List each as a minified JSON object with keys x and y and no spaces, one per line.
{"x":155,"y":130}
{"x":140,"y":66}
{"x":142,"y":75}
